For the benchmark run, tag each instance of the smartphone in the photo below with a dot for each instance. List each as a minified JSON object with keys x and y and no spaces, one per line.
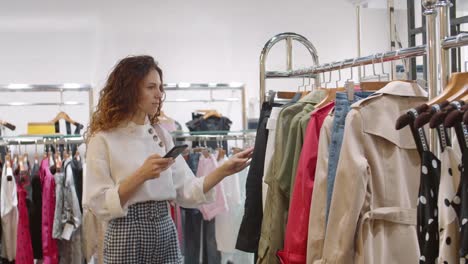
{"x":175,"y":151}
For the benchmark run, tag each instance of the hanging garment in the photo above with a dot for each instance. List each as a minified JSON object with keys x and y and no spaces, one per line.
{"x":270,"y":147}
{"x":206,"y":165}
{"x":35,"y":211}
{"x":226,"y":231}
{"x":49,"y":245}
{"x":428,"y":228}
{"x":238,"y":212}
{"x":316,"y":235}
{"x":449,"y":236}
{"x":199,"y":123}
{"x":67,"y":219}
{"x":342,"y":107}
{"x":295,"y":243}
{"x":24,"y":251}
{"x":9,"y":214}
{"x":249,"y":232}
{"x":373,"y":209}
{"x":77,"y":168}
{"x":460,"y":204}
{"x":291,"y":126}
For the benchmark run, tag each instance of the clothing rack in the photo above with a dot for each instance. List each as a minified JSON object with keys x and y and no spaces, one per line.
{"x":288,"y":37}
{"x":233,"y":86}
{"x":41,"y":140}
{"x":61,"y":88}
{"x":434,"y":44}
{"x":211,"y":136}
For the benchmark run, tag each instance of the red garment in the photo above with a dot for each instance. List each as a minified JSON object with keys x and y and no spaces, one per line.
{"x":297,"y":228}
{"x":49,"y":245}
{"x":24,"y":251}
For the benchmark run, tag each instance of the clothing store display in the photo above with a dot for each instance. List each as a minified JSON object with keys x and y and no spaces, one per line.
{"x":139,"y":141}
{"x":449,"y":236}
{"x":249,"y":232}
{"x":49,"y":245}
{"x":342,"y":108}
{"x":290,"y":128}
{"x":373,"y":209}
{"x":295,"y":243}
{"x":9,"y":213}
{"x":146,"y":234}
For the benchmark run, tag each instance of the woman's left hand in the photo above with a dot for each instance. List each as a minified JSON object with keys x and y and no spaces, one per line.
{"x":237,"y":163}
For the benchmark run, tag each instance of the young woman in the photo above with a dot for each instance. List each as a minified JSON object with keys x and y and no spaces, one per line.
{"x":127,"y":182}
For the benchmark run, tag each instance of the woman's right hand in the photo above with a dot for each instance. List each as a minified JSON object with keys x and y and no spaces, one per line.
{"x":154,"y":165}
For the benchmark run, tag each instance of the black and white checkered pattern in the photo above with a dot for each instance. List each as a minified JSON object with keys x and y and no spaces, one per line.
{"x":146,"y":235}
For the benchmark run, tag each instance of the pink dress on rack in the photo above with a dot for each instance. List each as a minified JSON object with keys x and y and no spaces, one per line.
{"x":49,"y":245}
{"x":206,"y":165}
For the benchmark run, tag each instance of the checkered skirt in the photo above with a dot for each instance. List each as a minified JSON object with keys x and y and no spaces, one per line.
{"x":146,"y":235}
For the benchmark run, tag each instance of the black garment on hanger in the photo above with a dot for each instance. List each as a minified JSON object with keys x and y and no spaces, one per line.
{"x":212,"y":123}
{"x":249,"y":232}
{"x":35,"y":212}
{"x":427,"y":209}
{"x":77,"y":168}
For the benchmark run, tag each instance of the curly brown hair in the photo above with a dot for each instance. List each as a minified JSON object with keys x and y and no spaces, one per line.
{"x":119,"y":97}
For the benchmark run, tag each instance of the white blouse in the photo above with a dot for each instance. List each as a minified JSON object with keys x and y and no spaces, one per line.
{"x":114,"y":155}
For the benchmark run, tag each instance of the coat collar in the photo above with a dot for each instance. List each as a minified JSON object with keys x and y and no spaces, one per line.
{"x":380,"y":111}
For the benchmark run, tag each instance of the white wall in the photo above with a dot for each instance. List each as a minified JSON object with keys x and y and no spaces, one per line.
{"x":54,"y":41}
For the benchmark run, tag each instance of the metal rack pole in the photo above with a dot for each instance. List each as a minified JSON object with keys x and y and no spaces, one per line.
{"x":431,"y":41}
{"x":289,"y":37}
{"x":444,"y":29}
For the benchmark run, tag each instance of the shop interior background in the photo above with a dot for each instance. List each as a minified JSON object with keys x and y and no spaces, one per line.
{"x":51,"y":42}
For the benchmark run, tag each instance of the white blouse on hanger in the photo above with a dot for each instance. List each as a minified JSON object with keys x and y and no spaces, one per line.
{"x":9,"y":213}
{"x":114,"y":155}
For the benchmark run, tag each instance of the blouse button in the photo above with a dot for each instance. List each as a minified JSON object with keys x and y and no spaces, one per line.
{"x":155,"y":138}
{"x":150,"y":131}
{"x":161,"y":144}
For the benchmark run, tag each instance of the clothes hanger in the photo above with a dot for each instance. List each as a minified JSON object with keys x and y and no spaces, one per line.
{"x":209,"y":113}
{"x":331,"y":92}
{"x":454,"y":95}
{"x":457,"y":81}
{"x":66,"y":117}
{"x":8,"y":125}
{"x":405,"y":119}
{"x":438,"y":118}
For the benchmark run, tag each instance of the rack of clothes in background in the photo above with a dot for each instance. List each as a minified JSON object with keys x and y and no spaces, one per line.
{"x":355,"y":175}
{"x":40,"y":198}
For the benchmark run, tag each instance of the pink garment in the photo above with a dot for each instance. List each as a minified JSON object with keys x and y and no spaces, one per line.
{"x":206,"y":165}
{"x":49,"y":245}
{"x":24,"y":251}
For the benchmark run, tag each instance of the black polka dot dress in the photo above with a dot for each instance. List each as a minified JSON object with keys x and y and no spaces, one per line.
{"x":448,"y":221}
{"x":427,"y":210}
{"x":460,"y":204}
